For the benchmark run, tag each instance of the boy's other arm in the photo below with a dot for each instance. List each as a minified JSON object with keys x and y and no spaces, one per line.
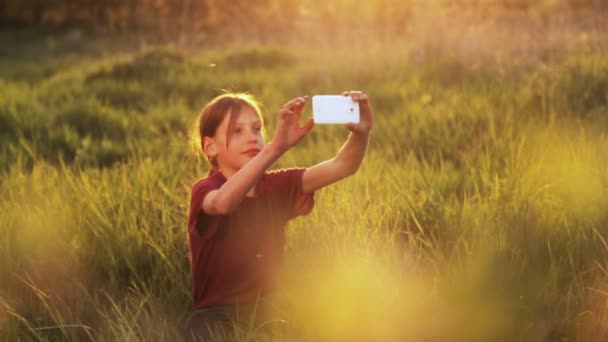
{"x":350,"y":156}
{"x":225,"y":199}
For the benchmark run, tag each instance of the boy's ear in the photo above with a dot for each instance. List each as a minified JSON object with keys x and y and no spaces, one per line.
{"x":209,"y":147}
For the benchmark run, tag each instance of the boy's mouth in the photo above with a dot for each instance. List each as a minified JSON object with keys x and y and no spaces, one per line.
{"x":252,"y":151}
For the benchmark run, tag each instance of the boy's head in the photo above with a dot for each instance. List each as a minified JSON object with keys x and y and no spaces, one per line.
{"x":231,"y":130}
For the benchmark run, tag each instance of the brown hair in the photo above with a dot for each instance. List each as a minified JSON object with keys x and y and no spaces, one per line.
{"x":212,"y":115}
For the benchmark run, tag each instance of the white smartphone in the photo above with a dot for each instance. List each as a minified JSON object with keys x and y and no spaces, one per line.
{"x":334,"y":109}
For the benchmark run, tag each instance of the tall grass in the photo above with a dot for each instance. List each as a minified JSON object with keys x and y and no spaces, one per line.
{"x":478,"y":215}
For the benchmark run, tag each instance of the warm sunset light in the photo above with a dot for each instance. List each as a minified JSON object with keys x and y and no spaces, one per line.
{"x":160,"y":173}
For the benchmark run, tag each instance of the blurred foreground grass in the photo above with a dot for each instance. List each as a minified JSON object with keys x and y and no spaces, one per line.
{"x":478,"y":215}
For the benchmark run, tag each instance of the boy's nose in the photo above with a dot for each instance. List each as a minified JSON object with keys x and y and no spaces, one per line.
{"x":252,"y":136}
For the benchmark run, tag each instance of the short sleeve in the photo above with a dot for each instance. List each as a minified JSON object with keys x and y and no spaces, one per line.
{"x":288,"y":183}
{"x":198,"y":221}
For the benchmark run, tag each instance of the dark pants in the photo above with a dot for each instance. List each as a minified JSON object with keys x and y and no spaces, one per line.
{"x":232,"y":323}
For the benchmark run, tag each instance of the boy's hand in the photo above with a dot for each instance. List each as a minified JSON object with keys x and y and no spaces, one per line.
{"x":288,"y":131}
{"x":365,"y":110}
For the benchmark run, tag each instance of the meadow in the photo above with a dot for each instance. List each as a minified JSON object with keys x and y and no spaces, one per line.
{"x":479,"y":213}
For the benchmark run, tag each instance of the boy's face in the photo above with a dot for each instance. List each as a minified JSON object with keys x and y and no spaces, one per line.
{"x":245,"y":140}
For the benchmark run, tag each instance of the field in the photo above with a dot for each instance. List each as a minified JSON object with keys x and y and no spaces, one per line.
{"x":479,"y":213}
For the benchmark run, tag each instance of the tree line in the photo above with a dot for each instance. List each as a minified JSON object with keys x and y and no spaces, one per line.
{"x":209,"y":15}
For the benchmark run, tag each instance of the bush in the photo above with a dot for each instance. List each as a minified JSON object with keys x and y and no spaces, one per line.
{"x":584,"y":85}
{"x":257,"y":57}
{"x":576,"y":88}
{"x":90,"y":118}
{"x":149,"y":65}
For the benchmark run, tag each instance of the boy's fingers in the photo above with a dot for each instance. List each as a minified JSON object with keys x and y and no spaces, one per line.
{"x":308,"y":125}
{"x":355,"y":94}
{"x":289,"y":104}
{"x":301,"y":101}
{"x":285,"y":112}
{"x":296,"y":102}
{"x":304,"y":130}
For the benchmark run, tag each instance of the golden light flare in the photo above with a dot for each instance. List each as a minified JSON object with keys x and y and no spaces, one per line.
{"x":360,"y":298}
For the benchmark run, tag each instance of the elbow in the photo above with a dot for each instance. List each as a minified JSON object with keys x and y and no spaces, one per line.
{"x":221,"y":207}
{"x":345,"y":174}
{"x":352,"y":170}
{"x":347,"y":169}
{"x":221,"y":210}
{"x":350,"y":173}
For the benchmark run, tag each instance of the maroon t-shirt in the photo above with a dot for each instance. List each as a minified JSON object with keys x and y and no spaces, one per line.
{"x":236,"y":257}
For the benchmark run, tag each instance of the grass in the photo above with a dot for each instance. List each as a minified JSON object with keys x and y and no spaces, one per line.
{"x":478,"y":215}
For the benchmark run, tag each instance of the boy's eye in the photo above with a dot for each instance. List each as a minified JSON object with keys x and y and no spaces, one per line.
{"x":257,"y":129}
{"x":237,"y":130}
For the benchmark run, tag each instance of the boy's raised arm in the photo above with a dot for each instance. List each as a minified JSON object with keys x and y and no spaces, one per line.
{"x":287,"y":134}
{"x":230,"y":194}
{"x":349,"y":157}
